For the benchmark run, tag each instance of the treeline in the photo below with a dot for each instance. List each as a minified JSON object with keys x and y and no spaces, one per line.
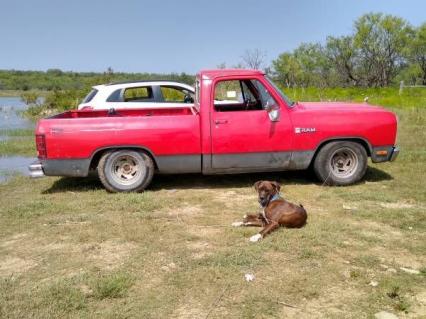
{"x":55,"y":79}
{"x":382,"y":50}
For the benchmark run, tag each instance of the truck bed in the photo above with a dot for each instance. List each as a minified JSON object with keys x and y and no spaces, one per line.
{"x":161,"y":132}
{"x":124,"y":113}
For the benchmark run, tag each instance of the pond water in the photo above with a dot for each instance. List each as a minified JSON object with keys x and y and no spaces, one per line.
{"x":10,"y":165}
{"x":10,"y":119}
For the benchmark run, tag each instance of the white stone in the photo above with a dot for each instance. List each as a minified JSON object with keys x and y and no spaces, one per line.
{"x":410,"y":271}
{"x":255,"y":238}
{"x":237,"y":224}
{"x":249,"y":277}
{"x":373,"y":283}
{"x":385,"y":315}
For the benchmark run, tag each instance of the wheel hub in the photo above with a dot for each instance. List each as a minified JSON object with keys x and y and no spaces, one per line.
{"x":344,"y":162}
{"x":125,"y":169}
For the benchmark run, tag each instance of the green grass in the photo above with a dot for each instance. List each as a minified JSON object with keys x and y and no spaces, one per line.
{"x":17,"y":142}
{"x":13,"y":93}
{"x":112,"y":285}
{"x":389,"y":97}
{"x":68,"y":249}
{"x":17,"y":132}
{"x":10,"y":93}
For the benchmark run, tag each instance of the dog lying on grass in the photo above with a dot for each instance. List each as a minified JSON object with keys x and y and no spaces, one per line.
{"x":276,"y":211}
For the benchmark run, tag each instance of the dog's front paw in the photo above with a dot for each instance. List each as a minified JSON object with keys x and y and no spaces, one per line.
{"x":255,"y":238}
{"x":237,"y":224}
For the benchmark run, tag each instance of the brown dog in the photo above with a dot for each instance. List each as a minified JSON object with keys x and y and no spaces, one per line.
{"x":276,"y":211}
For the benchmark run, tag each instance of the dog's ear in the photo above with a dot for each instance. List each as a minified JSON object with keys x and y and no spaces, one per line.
{"x":277,"y":186}
{"x":256,"y":185}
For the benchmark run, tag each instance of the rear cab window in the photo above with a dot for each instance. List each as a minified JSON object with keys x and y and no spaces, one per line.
{"x":172,"y":94}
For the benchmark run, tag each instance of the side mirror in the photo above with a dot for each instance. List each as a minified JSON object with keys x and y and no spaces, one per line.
{"x":273,"y":110}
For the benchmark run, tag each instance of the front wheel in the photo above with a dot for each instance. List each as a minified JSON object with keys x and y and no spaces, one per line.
{"x":125,"y":171}
{"x":341,"y":163}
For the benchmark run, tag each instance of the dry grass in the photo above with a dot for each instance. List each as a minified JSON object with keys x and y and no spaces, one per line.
{"x":68,"y":249}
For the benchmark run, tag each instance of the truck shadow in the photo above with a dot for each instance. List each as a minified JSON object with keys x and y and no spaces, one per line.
{"x":194,"y":181}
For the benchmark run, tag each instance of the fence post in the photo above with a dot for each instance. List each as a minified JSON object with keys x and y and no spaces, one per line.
{"x":401,"y":87}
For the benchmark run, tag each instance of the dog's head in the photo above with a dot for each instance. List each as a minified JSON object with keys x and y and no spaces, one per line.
{"x":266,"y":190}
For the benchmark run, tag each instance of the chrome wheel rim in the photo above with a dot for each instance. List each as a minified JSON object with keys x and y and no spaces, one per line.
{"x":344,"y":162}
{"x":126,"y":170}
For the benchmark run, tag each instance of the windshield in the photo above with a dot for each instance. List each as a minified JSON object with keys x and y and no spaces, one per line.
{"x":289,"y":102}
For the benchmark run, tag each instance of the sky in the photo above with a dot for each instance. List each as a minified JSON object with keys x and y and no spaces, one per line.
{"x":166,"y":36}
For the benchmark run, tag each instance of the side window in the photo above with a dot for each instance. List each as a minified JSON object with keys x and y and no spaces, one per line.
{"x":115,"y":96}
{"x":138,"y":94}
{"x":239,"y":95}
{"x":173,"y":94}
{"x":90,"y":96}
{"x":228,"y":92}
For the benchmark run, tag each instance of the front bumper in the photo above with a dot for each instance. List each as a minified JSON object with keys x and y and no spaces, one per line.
{"x":384,"y":154}
{"x":36,"y":170}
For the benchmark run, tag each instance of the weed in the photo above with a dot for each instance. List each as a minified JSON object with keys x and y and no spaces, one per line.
{"x":112,"y":285}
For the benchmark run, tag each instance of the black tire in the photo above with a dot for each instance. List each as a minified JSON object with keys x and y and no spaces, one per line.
{"x":341,"y":163}
{"x":125,"y":171}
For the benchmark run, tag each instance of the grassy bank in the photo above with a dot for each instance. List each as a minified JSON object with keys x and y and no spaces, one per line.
{"x":69,"y":249}
{"x":10,"y":93}
{"x":13,"y":93}
{"x":17,"y":142}
{"x":388,"y":97}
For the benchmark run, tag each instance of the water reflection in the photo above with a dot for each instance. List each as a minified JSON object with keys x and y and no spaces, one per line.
{"x":10,"y":114}
{"x":11,"y":119}
{"x":10,"y":165}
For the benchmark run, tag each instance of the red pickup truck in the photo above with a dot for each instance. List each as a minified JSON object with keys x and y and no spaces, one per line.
{"x":239,"y":122}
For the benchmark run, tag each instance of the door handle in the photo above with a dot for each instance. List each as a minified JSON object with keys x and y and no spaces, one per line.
{"x":220,"y":121}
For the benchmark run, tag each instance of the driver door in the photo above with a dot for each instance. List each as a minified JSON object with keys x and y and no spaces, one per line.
{"x":243,"y":136}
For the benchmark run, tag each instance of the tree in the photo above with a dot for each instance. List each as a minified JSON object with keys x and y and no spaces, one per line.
{"x":381,"y":41}
{"x":343,"y":57}
{"x":108,"y":75}
{"x":314,"y":64}
{"x":306,"y":66}
{"x":287,"y":69}
{"x":254,"y":59}
{"x":417,"y":53}
{"x":221,"y":66}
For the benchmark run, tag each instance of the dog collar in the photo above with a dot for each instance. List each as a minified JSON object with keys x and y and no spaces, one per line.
{"x":275,"y":197}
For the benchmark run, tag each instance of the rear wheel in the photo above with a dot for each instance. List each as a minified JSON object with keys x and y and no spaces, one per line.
{"x":341,"y":163}
{"x":125,"y":171}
